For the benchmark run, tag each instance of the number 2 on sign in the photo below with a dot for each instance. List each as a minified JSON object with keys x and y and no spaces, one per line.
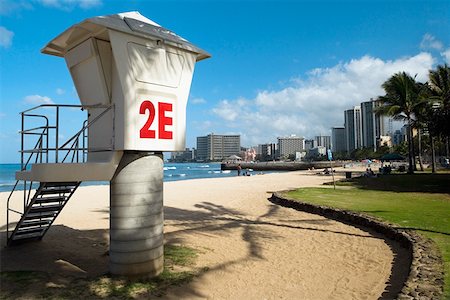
{"x":163,"y":120}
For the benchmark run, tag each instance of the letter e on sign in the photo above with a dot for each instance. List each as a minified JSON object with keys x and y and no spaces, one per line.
{"x":163,"y":120}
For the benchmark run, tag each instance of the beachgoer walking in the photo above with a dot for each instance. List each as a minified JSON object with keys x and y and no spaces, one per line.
{"x":239,"y":170}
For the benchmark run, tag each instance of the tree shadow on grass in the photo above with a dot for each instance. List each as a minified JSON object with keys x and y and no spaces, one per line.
{"x":420,"y":183}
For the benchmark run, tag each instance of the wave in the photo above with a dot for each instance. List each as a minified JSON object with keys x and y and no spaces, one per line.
{"x":176,"y":175}
{"x":169,"y":168}
{"x":204,"y":166}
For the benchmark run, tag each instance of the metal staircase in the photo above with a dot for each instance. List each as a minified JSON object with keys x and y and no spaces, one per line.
{"x":40,"y":211}
{"x":43,"y":209}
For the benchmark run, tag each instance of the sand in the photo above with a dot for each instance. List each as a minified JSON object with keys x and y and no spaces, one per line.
{"x":252,"y":248}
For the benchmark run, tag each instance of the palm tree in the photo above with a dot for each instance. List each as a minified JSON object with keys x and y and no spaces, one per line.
{"x":400,"y":102}
{"x":439,"y":108}
{"x":425,"y":115}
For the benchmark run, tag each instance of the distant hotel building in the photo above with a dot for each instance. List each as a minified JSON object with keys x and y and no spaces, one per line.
{"x":372,"y":125}
{"x":398,"y":137}
{"x":338,"y":143}
{"x":267,"y":152}
{"x":353,"y":128}
{"x":310,"y":144}
{"x":290,"y":145}
{"x":323,"y":141}
{"x":217,"y":147}
{"x":317,"y":152}
{"x":183,"y":156}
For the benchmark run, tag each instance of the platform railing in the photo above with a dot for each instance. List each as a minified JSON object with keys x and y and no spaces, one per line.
{"x":74,"y":148}
{"x":49,"y":135}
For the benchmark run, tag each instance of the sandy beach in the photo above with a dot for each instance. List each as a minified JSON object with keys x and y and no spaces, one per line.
{"x":252,"y":248}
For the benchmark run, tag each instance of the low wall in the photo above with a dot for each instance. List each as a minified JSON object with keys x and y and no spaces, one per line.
{"x":426,"y":276}
{"x":281,"y":166}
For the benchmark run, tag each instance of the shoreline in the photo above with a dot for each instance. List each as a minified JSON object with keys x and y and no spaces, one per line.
{"x":6,"y":187}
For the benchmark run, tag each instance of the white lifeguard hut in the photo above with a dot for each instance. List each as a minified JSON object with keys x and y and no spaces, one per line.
{"x":133,"y":78}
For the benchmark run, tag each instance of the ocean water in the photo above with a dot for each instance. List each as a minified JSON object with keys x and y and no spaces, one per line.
{"x":172,"y":172}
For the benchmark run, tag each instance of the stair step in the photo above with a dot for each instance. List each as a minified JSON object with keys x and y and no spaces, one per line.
{"x":34,"y":216}
{"x":48,"y":191}
{"x":34,"y":223}
{"x":50,"y":199}
{"x":22,"y":231}
{"x":40,"y":209}
{"x":27,"y":236}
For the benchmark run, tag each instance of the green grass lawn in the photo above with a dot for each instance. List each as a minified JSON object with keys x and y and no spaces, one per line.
{"x":420,"y":202}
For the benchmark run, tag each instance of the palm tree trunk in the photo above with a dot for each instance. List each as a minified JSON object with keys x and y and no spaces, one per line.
{"x":447,"y":147}
{"x":433,"y":155}
{"x":419,"y":135}
{"x":413,"y":149}
{"x":410,"y":148}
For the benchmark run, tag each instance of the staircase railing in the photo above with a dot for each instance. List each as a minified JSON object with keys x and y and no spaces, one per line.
{"x":43,"y":148}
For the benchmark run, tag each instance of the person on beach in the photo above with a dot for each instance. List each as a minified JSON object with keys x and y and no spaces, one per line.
{"x":239,"y":169}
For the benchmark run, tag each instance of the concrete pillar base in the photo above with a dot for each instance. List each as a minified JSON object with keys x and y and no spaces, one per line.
{"x":136,"y":216}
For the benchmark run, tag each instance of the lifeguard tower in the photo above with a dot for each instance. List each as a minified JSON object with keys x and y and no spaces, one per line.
{"x":133,"y":79}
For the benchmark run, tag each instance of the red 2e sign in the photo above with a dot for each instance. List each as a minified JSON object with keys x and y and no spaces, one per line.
{"x":163,"y":120}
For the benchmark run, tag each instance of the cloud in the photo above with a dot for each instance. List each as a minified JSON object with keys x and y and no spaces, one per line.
{"x":6,"y":37}
{"x":311,"y":106}
{"x":87,"y":4}
{"x":37,"y":100}
{"x":69,"y":5}
{"x":430,"y":42}
{"x":203,"y":125}
{"x":9,"y":6}
{"x":229,"y":110}
{"x":446,"y":55}
{"x":60,"y":91}
{"x":198,"y":101}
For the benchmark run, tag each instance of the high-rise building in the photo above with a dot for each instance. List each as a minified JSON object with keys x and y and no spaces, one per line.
{"x":183,"y":156}
{"x":316,"y":152}
{"x":217,"y":147}
{"x":398,"y":137}
{"x":290,"y":145}
{"x":338,"y":143}
{"x":267,"y":152}
{"x":372,"y":124}
{"x":323,"y":141}
{"x":202,"y":148}
{"x":309,"y":144}
{"x":353,"y":128}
